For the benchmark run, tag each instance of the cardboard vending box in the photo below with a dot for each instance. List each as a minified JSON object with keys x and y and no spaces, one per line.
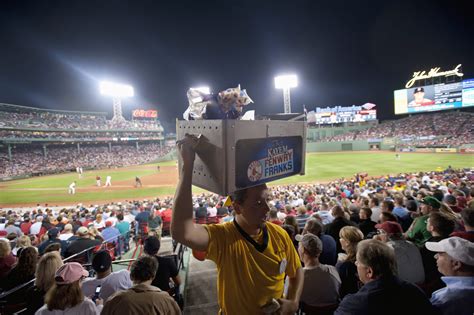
{"x":237,"y":154}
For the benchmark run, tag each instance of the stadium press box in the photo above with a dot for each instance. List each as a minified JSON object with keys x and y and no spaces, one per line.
{"x":236,"y":154}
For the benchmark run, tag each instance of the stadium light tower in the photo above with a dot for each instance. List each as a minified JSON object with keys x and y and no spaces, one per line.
{"x":286,"y":82}
{"x":117,"y":91}
{"x":203,"y":89}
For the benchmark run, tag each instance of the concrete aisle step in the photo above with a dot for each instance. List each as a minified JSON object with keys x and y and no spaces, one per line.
{"x":201,"y":288}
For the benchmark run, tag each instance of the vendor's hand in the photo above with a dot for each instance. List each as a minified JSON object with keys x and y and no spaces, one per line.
{"x":287,"y":307}
{"x":186,"y":148}
{"x":99,"y":302}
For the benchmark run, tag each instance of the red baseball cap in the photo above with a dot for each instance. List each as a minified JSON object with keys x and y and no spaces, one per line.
{"x":69,"y":273}
{"x":390,"y":227}
{"x":108,"y":223}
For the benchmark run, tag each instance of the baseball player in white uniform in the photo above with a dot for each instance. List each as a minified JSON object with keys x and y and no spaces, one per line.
{"x":72,"y":188}
{"x":108,"y":181}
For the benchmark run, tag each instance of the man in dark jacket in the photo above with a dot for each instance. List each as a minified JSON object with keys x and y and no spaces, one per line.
{"x":52,"y":238}
{"x":81,"y":245}
{"x":336,"y":225}
{"x":366,"y":225}
{"x":383,"y":292}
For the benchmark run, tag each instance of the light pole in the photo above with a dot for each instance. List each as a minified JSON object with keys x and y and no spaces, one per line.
{"x":117,"y":91}
{"x":286,"y":82}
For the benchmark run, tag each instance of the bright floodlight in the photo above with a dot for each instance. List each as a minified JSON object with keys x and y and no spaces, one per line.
{"x":286,"y":81}
{"x":203,"y":89}
{"x":116,"y":90}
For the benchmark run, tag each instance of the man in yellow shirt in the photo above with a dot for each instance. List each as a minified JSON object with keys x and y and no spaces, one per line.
{"x":252,"y":256}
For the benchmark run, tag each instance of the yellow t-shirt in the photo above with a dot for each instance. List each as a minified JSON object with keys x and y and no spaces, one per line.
{"x":246,"y":278}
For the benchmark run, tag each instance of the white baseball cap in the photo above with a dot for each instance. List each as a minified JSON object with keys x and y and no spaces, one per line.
{"x":456,"y":247}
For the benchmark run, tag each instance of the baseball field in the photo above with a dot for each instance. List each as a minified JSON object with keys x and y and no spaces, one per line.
{"x":320,"y":167}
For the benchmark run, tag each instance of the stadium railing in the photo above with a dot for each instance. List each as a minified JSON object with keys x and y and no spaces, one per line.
{"x":177,"y":256}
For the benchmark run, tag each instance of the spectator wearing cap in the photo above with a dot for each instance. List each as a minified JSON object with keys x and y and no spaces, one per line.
{"x":167,"y":269}
{"x":349,"y":237}
{"x":66,"y":233}
{"x":417,"y":231}
{"x":383,"y":292}
{"x":337,"y":224}
{"x":440,"y":226}
{"x":81,"y":245}
{"x":366,"y":225}
{"x":467,"y":216}
{"x":109,"y":281}
{"x":110,"y":234}
{"x":142,"y":298}
{"x":407,"y":255}
{"x":321,"y":282}
{"x":328,"y":256}
{"x":455,"y":260}
{"x":52,"y":238}
{"x":66,"y":297}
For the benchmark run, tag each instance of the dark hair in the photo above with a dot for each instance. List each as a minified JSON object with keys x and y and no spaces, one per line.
{"x":438,"y":194}
{"x":238,"y":196}
{"x":27,"y":261}
{"x":313,"y":226}
{"x":388,"y":216}
{"x":441,"y":223}
{"x":273,"y":214}
{"x":388,"y":204}
{"x":120,"y":217}
{"x":54,"y":247}
{"x":143,"y":269}
{"x":375,"y":200}
{"x":290,"y":229}
{"x":368,"y":211}
{"x":467,"y":215}
{"x":450,"y":199}
{"x":412,"y":205}
{"x":378,"y":256}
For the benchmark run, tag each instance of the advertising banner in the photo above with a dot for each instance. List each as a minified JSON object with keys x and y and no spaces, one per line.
{"x":263,"y":160}
{"x":142,"y":113}
{"x":446,"y":150}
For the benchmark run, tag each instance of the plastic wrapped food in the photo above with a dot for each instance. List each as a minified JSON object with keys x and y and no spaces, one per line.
{"x":227,"y":104}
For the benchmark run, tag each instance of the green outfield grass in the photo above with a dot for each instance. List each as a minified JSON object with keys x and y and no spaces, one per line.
{"x":320,"y":167}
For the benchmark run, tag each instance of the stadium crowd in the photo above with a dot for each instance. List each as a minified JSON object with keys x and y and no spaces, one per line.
{"x":71,"y":121}
{"x":81,"y":136}
{"x":420,"y":228}
{"x":27,"y":160}
{"x":448,"y":129}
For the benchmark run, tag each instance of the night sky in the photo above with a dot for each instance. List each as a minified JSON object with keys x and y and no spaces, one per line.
{"x":54,"y":53}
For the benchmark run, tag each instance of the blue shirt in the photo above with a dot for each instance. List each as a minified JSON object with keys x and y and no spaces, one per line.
{"x":110,"y":234}
{"x":456,"y":298}
{"x":400,"y":212}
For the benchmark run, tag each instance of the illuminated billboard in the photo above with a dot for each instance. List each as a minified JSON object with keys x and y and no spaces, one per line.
{"x":435,"y":97}
{"x":141,"y":113}
{"x":342,"y":114}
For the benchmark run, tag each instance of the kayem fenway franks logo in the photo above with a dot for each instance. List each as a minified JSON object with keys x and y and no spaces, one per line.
{"x":279,"y":161}
{"x":434,"y":72}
